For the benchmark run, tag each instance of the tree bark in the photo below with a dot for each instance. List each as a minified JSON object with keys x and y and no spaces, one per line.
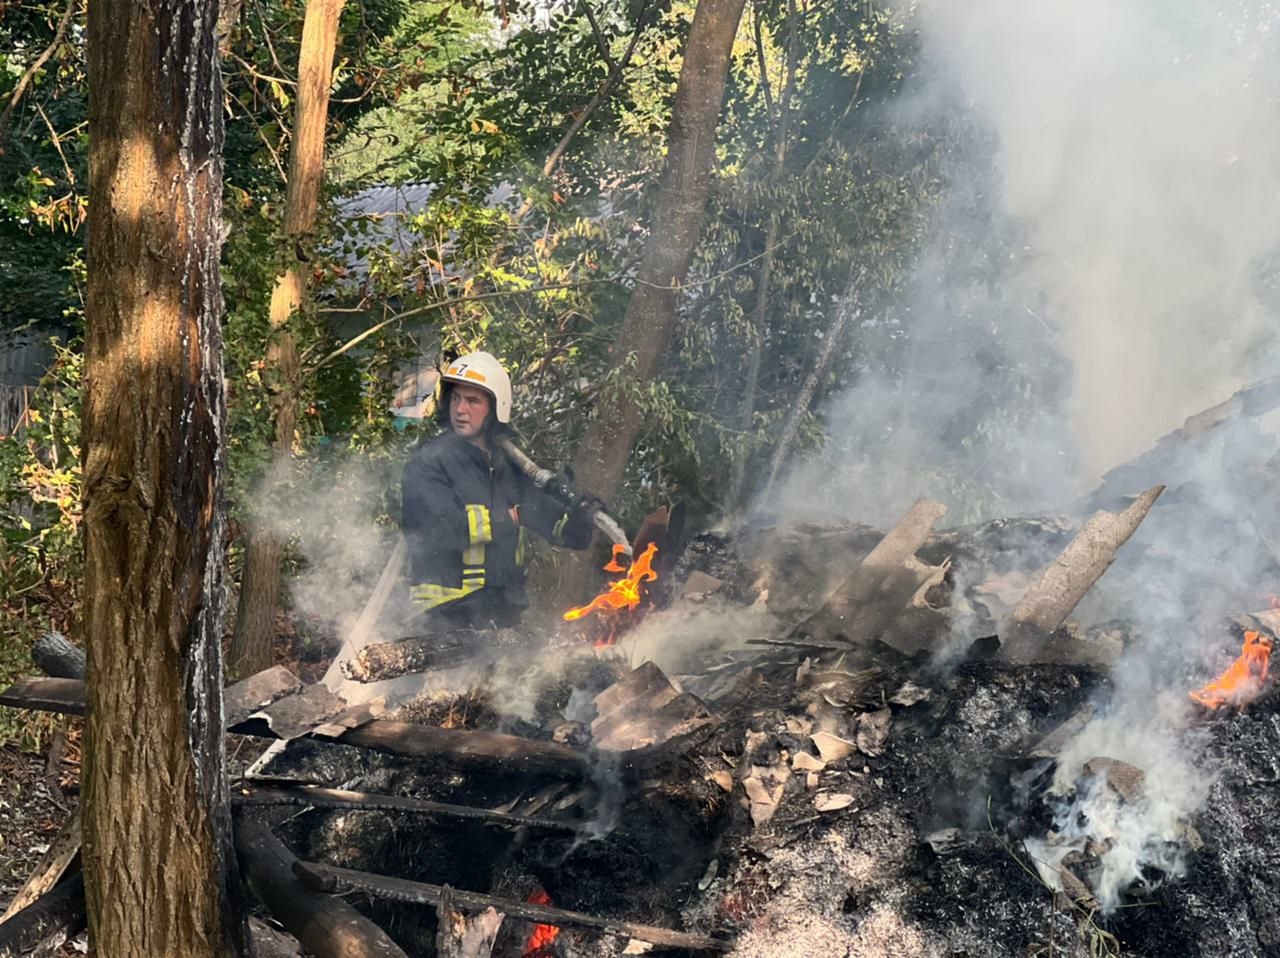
{"x":673,"y":234}
{"x":159,"y":876}
{"x":251,"y":649}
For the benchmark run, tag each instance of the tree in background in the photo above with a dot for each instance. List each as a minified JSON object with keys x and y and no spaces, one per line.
{"x":159,"y":876}
{"x":252,"y":649}
{"x":674,"y":231}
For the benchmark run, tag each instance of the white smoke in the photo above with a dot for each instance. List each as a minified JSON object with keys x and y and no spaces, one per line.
{"x":1149,"y":732}
{"x":1133,"y":161}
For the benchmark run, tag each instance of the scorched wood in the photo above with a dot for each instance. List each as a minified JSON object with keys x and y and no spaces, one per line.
{"x":331,"y":878}
{"x":41,"y":927}
{"x":328,"y":927}
{"x":389,"y":660}
{"x":397,"y":738}
{"x":460,"y":936}
{"x":55,"y":656}
{"x":53,"y":864}
{"x":1045,"y":606}
{"x":316,"y":796}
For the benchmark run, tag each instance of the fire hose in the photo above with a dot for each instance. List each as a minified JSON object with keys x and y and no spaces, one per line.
{"x":556,"y":485}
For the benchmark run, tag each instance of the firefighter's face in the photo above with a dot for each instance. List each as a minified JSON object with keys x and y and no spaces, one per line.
{"x":468,"y":409}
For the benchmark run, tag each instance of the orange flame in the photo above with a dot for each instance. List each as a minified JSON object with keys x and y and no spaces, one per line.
{"x":622,"y":594}
{"x":542,"y":936}
{"x":1242,"y":682}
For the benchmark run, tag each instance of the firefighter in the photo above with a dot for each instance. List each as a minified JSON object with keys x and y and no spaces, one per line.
{"x":466,"y":507}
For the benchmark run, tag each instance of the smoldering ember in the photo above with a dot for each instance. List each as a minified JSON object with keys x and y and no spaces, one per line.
{"x":802,"y":740}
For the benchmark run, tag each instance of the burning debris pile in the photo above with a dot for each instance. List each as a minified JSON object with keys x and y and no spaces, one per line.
{"x":792,"y":740}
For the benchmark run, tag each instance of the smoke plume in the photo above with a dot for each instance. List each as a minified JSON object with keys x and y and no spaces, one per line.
{"x":1104,"y":271}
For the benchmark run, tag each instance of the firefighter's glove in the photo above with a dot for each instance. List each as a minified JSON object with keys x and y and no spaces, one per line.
{"x":579,"y":521}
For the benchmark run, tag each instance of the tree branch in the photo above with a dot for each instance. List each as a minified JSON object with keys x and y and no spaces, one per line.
{"x":25,"y":80}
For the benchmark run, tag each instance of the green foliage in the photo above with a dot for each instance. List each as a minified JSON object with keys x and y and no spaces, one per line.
{"x":41,"y":547}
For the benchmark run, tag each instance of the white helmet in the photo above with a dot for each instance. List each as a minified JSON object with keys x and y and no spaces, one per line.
{"x":483,"y":371}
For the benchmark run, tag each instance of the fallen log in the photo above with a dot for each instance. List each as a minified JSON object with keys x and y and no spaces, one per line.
{"x":316,"y":796}
{"x":54,"y":655}
{"x":1063,"y":583}
{"x":326,"y":926}
{"x":49,"y":870}
{"x":44,"y":925}
{"x":330,"y":878}
{"x":460,"y":936}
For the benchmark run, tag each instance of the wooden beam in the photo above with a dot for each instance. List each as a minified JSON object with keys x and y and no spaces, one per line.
{"x":463,"y":936}
{"x":64,"y":696}
{"x":463,"y":746}
{"x":1063,"y":583}
{"x":471,"y":748}
{"x":315,"y":796}
{"x":330,"y":878}
{"x":326,"y":926}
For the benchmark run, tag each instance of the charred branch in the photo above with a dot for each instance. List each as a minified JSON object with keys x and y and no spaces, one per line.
{"x":42,"y":927}
{"x":419,"y":893}
{"x":317,"y":797}
{"x":56,"y":656}
{"x":1045,"y":606}
{"x":328,"y":927}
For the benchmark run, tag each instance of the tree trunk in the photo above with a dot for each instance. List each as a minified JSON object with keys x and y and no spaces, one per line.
{"x":673,"y":234}
{"x":159,"y":874}
{"x":251,"y":649}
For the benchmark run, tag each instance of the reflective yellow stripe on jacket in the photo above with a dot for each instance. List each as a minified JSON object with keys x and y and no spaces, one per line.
{"x":428,"y":595}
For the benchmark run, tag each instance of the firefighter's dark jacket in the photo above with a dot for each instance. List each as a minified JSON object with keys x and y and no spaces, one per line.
{"x":465,"y":552}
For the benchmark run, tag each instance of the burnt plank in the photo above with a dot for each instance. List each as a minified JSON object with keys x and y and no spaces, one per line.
{"x":65,"y":696}
{"x":258,"y":691}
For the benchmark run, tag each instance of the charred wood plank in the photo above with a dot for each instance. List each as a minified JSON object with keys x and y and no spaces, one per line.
{"x":397,"y":738}
{"x":54,"y":655}
{"x":419,"y":653}
{"x":470,"y":747}
{"x":419,"y":893}
{"x":1045,"y":606}
{"x":327,"y":927}
{"x":64,"y":696}
{"x":316,"y":796}
{"x":53,"y":864}
{"x":258,"y":691}
{"x":43,"y":926}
